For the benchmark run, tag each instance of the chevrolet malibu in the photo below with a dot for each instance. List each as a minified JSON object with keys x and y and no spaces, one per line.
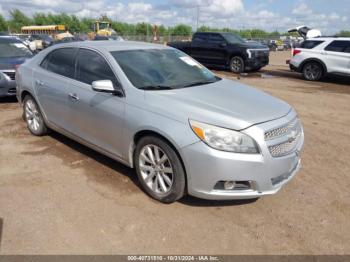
{"x":155,"y":109}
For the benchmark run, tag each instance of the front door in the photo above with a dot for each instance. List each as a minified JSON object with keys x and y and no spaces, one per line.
{"x":98,"y":118}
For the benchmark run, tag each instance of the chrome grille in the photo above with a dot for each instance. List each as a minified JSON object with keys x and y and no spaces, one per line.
{"x":284,"y":148}
{"x":290,"y":135}
{"x":11,"y":75}
{"x":282,"y":131}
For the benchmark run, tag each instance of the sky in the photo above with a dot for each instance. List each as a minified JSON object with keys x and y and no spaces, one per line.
{"x":329,"y":16}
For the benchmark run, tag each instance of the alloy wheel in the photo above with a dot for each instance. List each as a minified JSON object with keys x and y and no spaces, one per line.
{"x":312,"y":72}
{"x":236,"y":65}
{"x":32,"y":116}
{"x":156,"y":169}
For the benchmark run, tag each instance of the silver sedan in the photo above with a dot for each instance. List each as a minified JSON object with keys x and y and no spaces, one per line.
{"x":155,"y":109}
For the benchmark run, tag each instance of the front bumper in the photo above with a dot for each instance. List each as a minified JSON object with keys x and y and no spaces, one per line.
{"x":7,"y":83}
{"x":205,"y":167}
{"x":254,"y":63}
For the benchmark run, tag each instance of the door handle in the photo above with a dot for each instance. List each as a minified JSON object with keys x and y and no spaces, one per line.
{"x":324,"y":53}
{"x":39,"y":82}
{"x":73,"y":96}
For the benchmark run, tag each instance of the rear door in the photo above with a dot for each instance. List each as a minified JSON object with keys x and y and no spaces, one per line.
{"x":338,"y":56}
{"x":199,"y":48}
{"x":50,"y":82}
{"x":218,"y":49}
{"x":95,"y":117}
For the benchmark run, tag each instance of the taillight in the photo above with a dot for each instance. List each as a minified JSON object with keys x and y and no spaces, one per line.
{"x":296,"y":51}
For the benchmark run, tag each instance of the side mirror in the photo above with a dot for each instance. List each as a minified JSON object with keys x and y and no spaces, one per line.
{"x":105,"y":86}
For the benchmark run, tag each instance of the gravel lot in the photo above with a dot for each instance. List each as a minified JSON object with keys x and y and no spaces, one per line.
{"x":58,"y":197}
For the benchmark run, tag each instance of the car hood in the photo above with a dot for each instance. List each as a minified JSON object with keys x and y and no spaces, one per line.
{"x":225,"y":103}
{"x":254,"y":45}
{"x":11,"y":62}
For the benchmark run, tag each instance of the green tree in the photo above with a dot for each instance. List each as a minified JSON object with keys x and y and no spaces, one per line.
{"x":181,"y":30}
{"x":40,"y":19}
{"x":344,"y":33}
{"x":18,"y":19}
{"x":3,"y":24}
{"x":143,"y":29}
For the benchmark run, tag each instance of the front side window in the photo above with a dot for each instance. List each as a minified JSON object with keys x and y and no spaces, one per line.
{"x":162,"y":69}
{"x":93,"y":67}
{"x":338,"y":46}
{"x":61,"y":61}
{"x":233,"y":39}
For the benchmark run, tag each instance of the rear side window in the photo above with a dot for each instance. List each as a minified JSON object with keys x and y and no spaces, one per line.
{"x":61,"y":61}
{"x":201,"y":37}
{"x":93,"y":67}
{"x":339,"y":46}
{"x":216,"y":38}
{"x":310,"y":44}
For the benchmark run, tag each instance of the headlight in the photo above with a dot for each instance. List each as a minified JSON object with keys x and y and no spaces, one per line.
{"x":224,"y":139}
{"x":252,"y":53}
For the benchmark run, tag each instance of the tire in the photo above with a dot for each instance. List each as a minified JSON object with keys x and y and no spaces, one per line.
{"x":159,"y":169}
{"x":312,"y":71}
{"x":237,"y":64}
{"x":33,"y":117}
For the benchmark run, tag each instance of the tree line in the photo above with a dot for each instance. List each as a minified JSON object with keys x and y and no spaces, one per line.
{"x":17,"y":19}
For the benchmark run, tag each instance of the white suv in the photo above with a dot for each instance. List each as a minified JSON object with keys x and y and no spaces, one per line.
{"x":319,"y":56}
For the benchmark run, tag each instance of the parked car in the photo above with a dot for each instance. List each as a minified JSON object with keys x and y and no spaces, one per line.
{"x":317,"y":57}
{"x":108,"y":38}
{"x":225,"y":50}
{"x":12,"y":53}
{"x":159,"y":111}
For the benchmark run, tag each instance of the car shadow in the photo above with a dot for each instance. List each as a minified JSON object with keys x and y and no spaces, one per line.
{"x":8,"y":100}
{"x":98,"y":157}
{"x":130,"y":174}
{"x":198,"y":202}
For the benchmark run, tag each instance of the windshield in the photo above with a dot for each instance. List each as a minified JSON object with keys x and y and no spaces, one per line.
{"x":233,"y":39}
{"x":162,"y":69}
{"x":13,"y":49}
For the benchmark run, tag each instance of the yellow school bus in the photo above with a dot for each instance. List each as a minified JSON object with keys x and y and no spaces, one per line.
{"x":43,"y":29}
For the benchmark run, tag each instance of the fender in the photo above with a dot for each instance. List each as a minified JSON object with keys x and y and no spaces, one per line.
{"x":325,"y":70}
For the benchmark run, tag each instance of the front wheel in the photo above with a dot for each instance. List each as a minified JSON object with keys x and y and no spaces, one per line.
{"x":312,"y":71}
{"x":33,"y":117}
{"x":237,"y":64}
{"x":159,"y":169}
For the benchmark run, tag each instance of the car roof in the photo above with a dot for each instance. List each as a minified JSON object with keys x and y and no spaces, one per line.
{"x":9,"y":39}
{"x":114,"y":45}
{"x":330,"y":38}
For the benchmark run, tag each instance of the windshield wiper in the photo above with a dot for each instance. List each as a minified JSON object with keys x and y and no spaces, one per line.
{"x":200,"y":83}
{"x":155,"y":87}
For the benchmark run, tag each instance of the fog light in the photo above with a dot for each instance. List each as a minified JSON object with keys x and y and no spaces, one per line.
{"x":229,"y":185}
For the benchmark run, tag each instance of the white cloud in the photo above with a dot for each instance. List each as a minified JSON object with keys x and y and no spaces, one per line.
{"x":216,"y":13}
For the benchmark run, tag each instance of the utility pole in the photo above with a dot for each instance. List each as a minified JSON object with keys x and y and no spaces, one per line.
{"x":198,"y":16}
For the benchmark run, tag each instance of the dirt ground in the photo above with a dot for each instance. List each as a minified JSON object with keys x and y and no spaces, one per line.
{"x":58,"y":197}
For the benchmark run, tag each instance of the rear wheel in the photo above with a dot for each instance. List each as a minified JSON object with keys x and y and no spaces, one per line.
{"x":159,"y":169}
{"x":33,"y":117}
{"x":312,"y":71}
{"x":237,"y":64}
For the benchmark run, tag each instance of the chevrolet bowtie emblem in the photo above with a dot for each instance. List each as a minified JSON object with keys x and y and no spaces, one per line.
{"x":292,"y":136}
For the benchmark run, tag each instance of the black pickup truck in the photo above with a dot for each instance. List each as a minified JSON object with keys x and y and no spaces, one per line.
{"x":225,"y":50}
